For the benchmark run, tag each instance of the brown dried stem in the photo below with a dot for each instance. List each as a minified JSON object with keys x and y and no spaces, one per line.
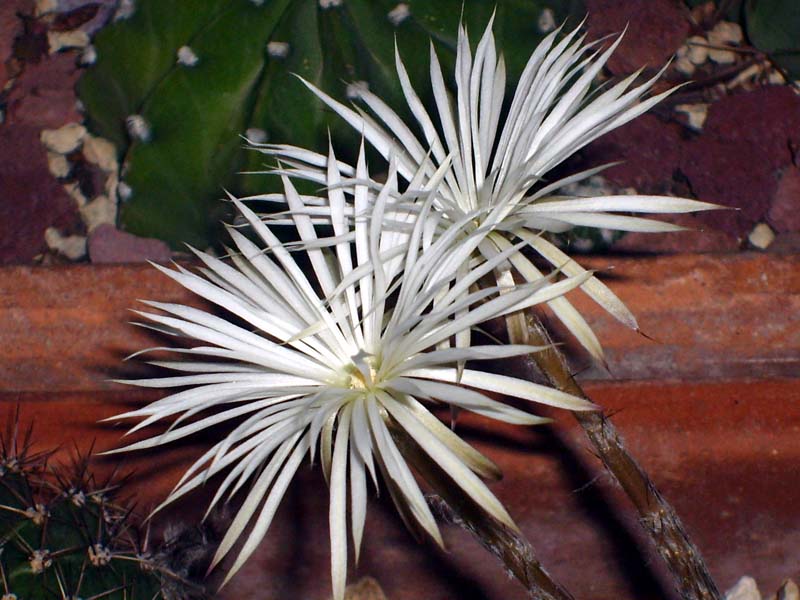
{"x":509,"y":546}
{"x":658,"y":518}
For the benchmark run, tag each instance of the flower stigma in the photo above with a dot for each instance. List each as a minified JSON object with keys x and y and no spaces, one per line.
{"x":362,"y":371}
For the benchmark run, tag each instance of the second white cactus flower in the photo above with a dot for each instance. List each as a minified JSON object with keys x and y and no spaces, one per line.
{"x":503,"y":168}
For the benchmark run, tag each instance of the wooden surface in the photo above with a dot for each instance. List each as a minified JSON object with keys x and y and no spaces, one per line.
{"x":711,"y":408}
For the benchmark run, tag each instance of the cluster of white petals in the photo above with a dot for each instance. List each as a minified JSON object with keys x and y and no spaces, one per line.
{"x":503,"y":169}
{"x":329,"y":356}
{"x":337,"y":341}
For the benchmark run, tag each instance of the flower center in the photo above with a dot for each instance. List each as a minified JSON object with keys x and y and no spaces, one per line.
{"x":362,"y":371}
{"x":357,"y":380}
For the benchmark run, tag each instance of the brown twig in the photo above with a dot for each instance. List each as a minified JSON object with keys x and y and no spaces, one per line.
{"x":657,"y":517}
{"x":719,"y":77}
{"x":725,"y":47}
{"x":509,"y":546}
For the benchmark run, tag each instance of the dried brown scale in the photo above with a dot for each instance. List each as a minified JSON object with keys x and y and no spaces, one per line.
{"x":510,"y":547}
{"x":690,"y":574}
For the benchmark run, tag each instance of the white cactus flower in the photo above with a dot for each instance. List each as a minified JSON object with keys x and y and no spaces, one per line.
{"x":503,"y":168}
{"x":331,"y":355}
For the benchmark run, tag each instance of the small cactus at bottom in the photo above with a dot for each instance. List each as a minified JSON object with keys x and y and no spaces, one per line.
{"x":64,"y":536}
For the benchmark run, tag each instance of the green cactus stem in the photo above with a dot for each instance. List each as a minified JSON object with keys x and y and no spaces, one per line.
{"x":176,"y":84}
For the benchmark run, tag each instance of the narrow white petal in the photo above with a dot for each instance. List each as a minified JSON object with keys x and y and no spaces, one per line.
{"x":254,"y":498}
{"x":616,"y":222}
{"x":382,"y":141}
{"x":397,"y":470}
{"x":476,"y":461}
{"x":337,"y":519}
{"x":562,"y":308}
{"x":270,"y":506}
{"x":511,"y":386}
{"x":358,"y":499}
{"x":466,"y":399}
{"x":646,"y":204}
{"x":595,"y":288}
{"x":448,"y":461}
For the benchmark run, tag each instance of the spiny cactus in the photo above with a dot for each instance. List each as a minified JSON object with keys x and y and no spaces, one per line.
{"x":64,"y":536}
{"x":176,"y":84}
